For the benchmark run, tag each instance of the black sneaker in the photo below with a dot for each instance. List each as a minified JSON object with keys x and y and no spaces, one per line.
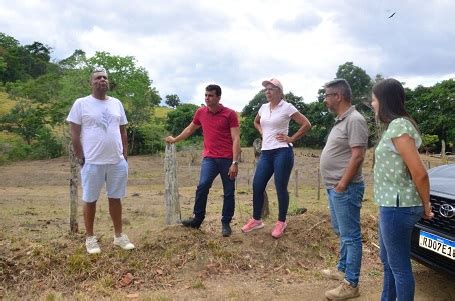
{"x":192,"y":223}
{"x":226,"y":229}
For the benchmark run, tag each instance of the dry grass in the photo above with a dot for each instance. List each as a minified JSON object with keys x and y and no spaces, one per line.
{"x":39,"y":259}
{"x":6,"y":104}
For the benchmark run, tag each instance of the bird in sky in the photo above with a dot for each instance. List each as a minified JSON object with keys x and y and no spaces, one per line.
{"x":392,"y":15}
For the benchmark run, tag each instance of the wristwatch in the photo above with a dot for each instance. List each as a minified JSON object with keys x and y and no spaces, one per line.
{"x":235,"y":162}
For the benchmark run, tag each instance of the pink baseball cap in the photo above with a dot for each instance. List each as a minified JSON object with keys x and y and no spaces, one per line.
{"x":274,"y":82}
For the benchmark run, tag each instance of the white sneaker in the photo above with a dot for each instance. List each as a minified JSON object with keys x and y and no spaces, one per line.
{"x":91,"y":243}
{"x":123,"y":242}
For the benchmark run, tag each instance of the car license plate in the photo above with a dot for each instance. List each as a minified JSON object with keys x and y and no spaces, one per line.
{"x":437,"y":244}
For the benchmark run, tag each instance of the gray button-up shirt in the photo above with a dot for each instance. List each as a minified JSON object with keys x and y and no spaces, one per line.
{"x":350,"y":130}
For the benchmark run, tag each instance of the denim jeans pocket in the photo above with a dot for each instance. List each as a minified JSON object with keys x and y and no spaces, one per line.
{"x":338,"y":197}
{"x":340,"y":193}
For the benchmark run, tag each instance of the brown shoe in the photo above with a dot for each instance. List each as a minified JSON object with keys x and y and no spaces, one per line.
{"x":343,"y":291}
{"x":333,"y":274}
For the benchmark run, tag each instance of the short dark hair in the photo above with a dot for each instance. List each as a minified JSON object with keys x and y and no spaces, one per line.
{"x":215,"y":88}
{"x":342,"y":85}
{"x":391,"y":97}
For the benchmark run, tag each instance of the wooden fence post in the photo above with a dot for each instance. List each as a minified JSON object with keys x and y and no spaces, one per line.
{"x":296,"y":174}
{"x":74,"y":226}
{"x":171,"y":193}
{"x":444,"y":157}
{"x":319,"y":185}
{"x":257,"y":146}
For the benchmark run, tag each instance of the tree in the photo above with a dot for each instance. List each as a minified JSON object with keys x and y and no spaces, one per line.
{"x":359,"y":81}
{"x":38,"y":59}
{"x":132,"y":85}
{"x":303,"y":108}
{"x":11,"y":53}
{"x":3,"y":65}
{"x":361,"y":85}
{"x":429,"y":141}
{"x":25,"y":119}
{"x":177,"y":120}
{"x":321,"y":121}
{"x":78,"y":60}
{"x":247,"y":130}
{"x":433,"y":109}
{"x":172,"y":100}
{"x":22,"y":62}
{"x":128,"y":82}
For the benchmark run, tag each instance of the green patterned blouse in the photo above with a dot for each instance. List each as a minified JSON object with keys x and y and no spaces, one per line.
{"x":393,"y":186}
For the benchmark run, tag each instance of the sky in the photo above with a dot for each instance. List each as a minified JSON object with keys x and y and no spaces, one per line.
{"x":186,"y":45}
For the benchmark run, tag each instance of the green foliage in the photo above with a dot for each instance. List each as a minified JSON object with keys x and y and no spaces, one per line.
{"x":25,"y":118}
{"x":321,"y":120}
{"x":16,"y":150}
{"x":178,"y":119}
{"x":46,"y":146}
{"x":172,"y":100}
{"x":42,"y":89}
{"x":41,"y":93}
{"x":132,"y":85}
{"x":161,"y":112}
{"x":360,"y":83}
{"x":44,"y":100}
{"x":247,"y":130}
{"x":19,"y":62}
{"x":429,"y":141}
{"x":3,"y":64}
{"x":302,"y":107}
{"x":433,"y":109}
{"x":149,"y":138}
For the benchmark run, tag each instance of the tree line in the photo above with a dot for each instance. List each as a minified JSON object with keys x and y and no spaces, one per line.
{"x":44,"y":90}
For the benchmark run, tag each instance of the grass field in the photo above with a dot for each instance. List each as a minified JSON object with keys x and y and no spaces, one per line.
{"x":39,"y":259}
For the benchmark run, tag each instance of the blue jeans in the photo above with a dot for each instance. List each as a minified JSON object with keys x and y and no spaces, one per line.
{"x":345,"y":217}
{"x":395,"y":229}
{"x":210,"y":168}
{"x":279,"y":162}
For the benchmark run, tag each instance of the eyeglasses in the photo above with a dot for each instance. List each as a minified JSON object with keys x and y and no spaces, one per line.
{"x":328,"y":94}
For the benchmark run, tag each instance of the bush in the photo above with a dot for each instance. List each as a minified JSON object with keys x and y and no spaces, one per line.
{"x":148,"y":139}
{"x":19,"y":151}
{"x":14,"y":148}
{"x":46,"y":146}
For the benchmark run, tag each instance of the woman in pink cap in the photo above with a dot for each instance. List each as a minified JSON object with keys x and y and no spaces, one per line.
{"x":277,"y":156}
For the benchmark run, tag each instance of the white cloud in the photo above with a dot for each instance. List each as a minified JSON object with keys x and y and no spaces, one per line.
{"x":237,"y":44}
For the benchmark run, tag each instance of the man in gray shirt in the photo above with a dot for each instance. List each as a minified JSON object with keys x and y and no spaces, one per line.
{"x":341,"y":169}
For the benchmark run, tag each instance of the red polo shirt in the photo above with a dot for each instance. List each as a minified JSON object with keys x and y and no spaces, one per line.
{"x":216,"y":129}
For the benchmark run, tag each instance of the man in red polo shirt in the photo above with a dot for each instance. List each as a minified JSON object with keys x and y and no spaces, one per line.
{"x":220,"y":128}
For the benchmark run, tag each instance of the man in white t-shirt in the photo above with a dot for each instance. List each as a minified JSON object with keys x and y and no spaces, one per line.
{"x":100,"y":143}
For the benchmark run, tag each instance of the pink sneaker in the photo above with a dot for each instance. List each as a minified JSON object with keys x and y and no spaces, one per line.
{"x":279,"y":229}
{"x":251,"y":225}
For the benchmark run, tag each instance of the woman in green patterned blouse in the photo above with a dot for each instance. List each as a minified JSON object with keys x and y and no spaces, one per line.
{"x":401,"y":188}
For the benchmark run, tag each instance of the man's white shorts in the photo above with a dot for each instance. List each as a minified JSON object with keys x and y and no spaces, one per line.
{"x":94,"y":176}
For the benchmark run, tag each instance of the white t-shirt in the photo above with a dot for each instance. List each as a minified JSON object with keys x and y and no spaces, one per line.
{"x":275,"y":122}
{"x":100,"y":122}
